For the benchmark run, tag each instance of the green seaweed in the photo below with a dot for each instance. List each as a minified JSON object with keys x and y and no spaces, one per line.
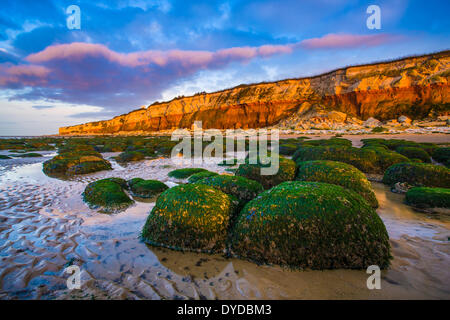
{"x":190,"y":217}
{"x":106,"y":194}
{"x":338,"y":173}
{"x":424,"y":197}
{"x":311,"y":225}
{"x":418,"y":174}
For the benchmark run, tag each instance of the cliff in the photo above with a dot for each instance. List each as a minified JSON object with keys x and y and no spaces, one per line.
{"x":413,"y":86}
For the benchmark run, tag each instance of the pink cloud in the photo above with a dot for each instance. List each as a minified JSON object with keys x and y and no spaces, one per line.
{"x":87,"y":73}
{"x":332,"y":41}
{"x":26,"y":74}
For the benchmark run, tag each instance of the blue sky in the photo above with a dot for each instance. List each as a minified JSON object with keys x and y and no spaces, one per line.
{"x":131,"y":53}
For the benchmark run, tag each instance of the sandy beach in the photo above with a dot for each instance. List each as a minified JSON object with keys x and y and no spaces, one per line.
{"x":45,"y":226}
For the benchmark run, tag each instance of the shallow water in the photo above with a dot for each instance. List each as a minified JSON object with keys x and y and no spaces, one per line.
{"x":45,"y":226}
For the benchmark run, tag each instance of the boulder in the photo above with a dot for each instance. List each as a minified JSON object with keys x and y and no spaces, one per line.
{"x":311,"y":225}
{"x":191,"y":217}
{"x":372,"y":123}
{"x":338,"y":173}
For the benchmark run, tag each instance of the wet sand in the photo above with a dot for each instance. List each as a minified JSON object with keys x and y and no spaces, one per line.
{"x":45,"y":226}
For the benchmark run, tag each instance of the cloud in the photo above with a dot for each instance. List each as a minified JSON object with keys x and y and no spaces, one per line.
{"x":93,"y":74}
{"x":340,"y":41}
{"x":42,"y":107}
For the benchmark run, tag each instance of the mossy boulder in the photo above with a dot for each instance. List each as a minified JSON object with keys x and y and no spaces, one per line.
{"x":384,"y":158}
{"x":185,"y":172}
{"x":442,"y":155}
{"x":338,"y":173}
{"x":311,"y":225}
{"x":146,"y":188}
{"x":424,"y":197}
{"x":368,"y":159}
{"x":242,"y":188}
{"x":363,"y":159}
{"x":286,"y":172}
{"x":201,"y":175}
{"x":106,"y":194}
{"x":418,"y":174}
{"x":129,"y":156}
{"x":288,"y":149}
{"x":329,"y":142}
{"x":190,"y":217}
{"x":3,"y":157}
{"x":71,"y":163}
{"x":28,"y":155}
{"x":414,"y":153}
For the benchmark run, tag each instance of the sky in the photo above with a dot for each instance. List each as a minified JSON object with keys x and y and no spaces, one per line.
{"x":130,"y":53}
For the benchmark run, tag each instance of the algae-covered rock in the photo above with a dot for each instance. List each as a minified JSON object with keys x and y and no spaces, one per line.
{"x":129,"y":156}
{"x":79,"y":162}
{"x":286,"y":172}
{"x":384,"y":158}
{"x":329,"y":142}
{"x":106,"y":194}
{"x":184,"y":173}
{"x":242,"y":188}
{"x":28,"y":155}
{"x":338,"y":173}
{"x":311,"y":225}
{"x":190,"y":217}
{"x":362,"y":159}
{"x":424,"y":197}
{"x":288,"y":149}
{"x":201,"y":175}
{"x":146,"y":188}
{"x":3,"y":157}
{"x":88,"y":167}
{"x":414,"y":153}
{"x":442,"y":155}
{"x":418,"y":174}
{"x":368,"y":159}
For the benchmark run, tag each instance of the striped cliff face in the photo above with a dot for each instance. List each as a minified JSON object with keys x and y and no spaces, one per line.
{"x":413,"y":86}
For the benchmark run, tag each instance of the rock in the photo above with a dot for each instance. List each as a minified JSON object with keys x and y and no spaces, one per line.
{"x":286,"y":172}
{"x":287,"y":149}
{"x":392,"y":123}
{"x":418,"y":174}
{"x":423,"y":197}
{"x":368,"y":160}
{"x":190,"y":217}
{"x":400,"y":187}
{"x":242,"y":188}
{"x":106,"y":194}
{"x":201,"y":175}
{"x":146,"y":188}
{"x":442,"y":155}
{"x":404,"y":120}
{"x":75,"y":162}
{"x":414,"y":153}
{"x":185,"y":172}
{"x":337,"y":116}
{"x":372,"y":123}
{"x":129,"y":156}
{"x":337,"y":173}
{"x":311,"y":225}
{"x":367,"y":91}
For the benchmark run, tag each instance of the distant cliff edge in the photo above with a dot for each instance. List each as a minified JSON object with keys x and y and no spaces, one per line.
{"x":415,"y":87}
